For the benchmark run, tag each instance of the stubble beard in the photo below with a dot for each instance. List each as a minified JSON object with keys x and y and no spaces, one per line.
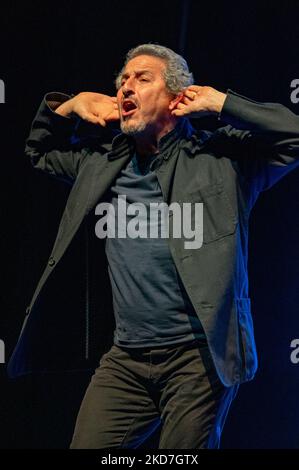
{"x":129,"y":128}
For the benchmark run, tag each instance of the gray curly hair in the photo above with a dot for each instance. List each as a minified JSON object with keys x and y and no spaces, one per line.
{"x":176,"y":75}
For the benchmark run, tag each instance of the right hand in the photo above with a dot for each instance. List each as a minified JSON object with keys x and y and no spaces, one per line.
{"x":92,"y":107}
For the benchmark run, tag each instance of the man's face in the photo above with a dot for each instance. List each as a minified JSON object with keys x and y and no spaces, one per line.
{"x":143,"y":99}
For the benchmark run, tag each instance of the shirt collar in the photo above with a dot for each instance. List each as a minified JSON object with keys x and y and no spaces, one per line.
{"x":182,"y":133}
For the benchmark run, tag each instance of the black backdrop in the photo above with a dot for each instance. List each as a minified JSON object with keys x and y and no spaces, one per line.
{"x":71,"y":47}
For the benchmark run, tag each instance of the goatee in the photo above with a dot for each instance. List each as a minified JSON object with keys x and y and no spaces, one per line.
{"x":131,"y":128}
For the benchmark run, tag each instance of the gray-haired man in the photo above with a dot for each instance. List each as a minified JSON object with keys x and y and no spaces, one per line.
{"x":184,"y":338}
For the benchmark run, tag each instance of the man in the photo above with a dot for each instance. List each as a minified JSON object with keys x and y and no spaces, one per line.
{"x":183,"y":340}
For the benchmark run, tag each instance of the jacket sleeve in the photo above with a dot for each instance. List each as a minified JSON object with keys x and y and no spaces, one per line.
{"x":268,"y":134}
{"x":52,"y":146}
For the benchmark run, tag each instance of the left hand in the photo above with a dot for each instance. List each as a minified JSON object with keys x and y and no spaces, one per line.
{"x":198,"y":101}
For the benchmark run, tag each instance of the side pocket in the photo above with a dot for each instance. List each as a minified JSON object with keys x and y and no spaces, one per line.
{"x":219,"y":218}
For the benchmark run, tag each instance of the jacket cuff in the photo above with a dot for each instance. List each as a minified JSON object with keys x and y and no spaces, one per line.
{"x":54,"y":99}
{"x":239,"y":111}
{"x":47,"y":115}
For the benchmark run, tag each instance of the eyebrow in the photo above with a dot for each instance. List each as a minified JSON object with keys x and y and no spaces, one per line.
{"x":138,"y":72}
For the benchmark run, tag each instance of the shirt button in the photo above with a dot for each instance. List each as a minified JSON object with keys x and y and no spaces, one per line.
{"x":51,"y":261}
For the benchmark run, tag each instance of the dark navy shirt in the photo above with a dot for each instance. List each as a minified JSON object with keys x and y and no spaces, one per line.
{"x":151,"y":306}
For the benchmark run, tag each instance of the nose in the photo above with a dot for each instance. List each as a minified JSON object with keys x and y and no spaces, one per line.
{"x":128,"y":88}
{"x":126,"y":92}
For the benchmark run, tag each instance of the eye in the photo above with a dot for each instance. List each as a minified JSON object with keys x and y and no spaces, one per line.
{"x":123,"y":81}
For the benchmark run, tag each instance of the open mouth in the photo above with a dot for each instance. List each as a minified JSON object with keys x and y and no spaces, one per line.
{"x":128,"y":107}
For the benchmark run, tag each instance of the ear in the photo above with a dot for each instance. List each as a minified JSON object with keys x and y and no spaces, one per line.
{"x":175,"y":101}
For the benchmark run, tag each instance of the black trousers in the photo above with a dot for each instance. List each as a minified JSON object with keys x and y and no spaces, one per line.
{"x":133,"y":391}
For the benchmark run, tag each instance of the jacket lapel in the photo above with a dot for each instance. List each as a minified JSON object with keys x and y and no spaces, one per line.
{"x":103,"y":178}
{"x":104,"y":171}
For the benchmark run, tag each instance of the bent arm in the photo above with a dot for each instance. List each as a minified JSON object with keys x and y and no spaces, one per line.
{"x":52,"y":146}
{"x":49,"y":145}
{"x":270,"y":133}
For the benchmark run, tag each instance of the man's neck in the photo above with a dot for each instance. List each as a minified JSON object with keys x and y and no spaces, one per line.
{"x":148,"y":144}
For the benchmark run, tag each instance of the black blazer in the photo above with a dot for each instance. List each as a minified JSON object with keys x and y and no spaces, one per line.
{"x":226,"y":170}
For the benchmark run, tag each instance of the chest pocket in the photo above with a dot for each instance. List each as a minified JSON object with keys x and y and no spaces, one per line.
{"x":219,"y":219}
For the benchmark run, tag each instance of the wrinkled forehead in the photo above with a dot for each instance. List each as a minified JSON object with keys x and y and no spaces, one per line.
{"x":152,"y":64}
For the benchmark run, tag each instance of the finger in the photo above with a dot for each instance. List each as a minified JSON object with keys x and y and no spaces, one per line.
{"x":186,"y":100}
{"x":190,"y":94}
{"x":89,"y":118}
{"x":180,"y":106}
{"x":102,"y":122}
{"x":178,"y":112}
{"x":195,"y":88}
{"x":114,"y":116}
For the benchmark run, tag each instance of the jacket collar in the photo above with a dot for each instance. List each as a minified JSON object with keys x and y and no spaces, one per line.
{"x":183,"y":133}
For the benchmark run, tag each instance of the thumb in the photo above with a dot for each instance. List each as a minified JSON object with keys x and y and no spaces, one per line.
{"x":178,"y":112}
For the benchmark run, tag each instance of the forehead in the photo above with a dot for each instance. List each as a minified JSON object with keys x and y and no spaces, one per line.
{"x":145,"y":62}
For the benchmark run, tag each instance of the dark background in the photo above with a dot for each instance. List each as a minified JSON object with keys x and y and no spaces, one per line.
{"x":71,"y":47}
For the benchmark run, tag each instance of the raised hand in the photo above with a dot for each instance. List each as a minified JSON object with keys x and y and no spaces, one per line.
{"x":198,"y":101}
{"x":92,"y":107}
